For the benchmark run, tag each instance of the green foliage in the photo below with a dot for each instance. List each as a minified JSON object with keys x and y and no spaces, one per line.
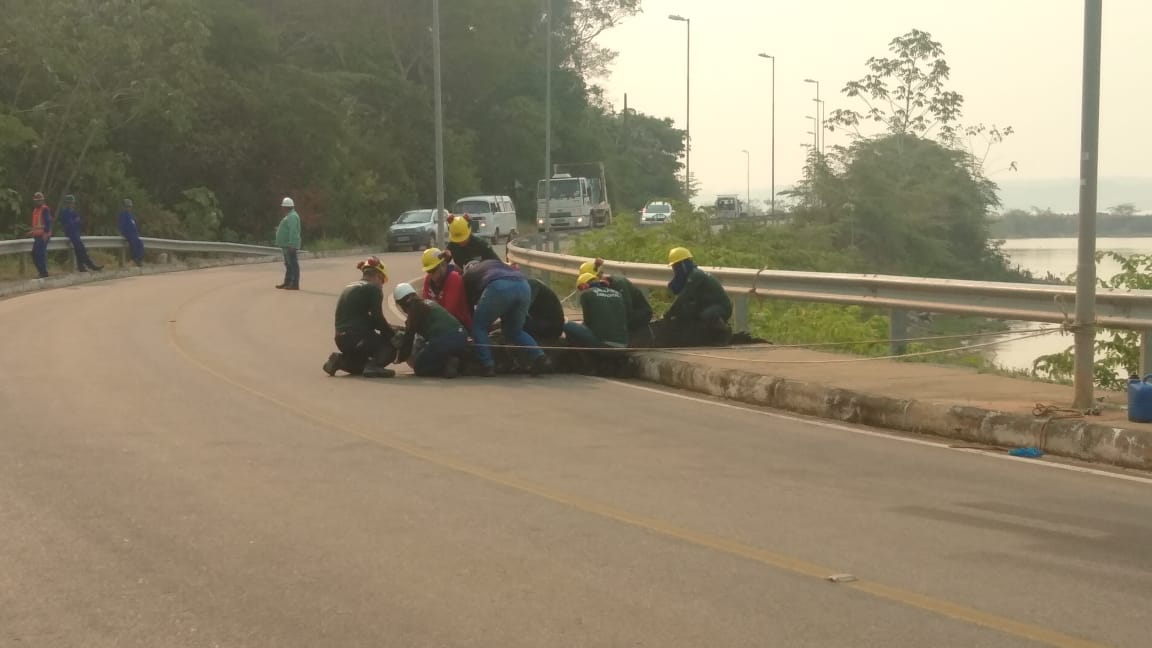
{"x":207,"y":112}
{"x":1044,"y":223}
{"x":1117,"y":351}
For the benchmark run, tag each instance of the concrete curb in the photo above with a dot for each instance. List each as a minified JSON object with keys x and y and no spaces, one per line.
{"x":15,"y":288}
{"x":1075,"y":438}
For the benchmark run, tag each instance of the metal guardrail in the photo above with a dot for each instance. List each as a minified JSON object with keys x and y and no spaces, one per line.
{"x":1120,"y":309}
{"x":24,"y":246}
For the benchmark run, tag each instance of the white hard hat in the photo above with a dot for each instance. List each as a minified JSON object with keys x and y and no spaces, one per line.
{"x":401,"y":291}
{"x":287,"y":202}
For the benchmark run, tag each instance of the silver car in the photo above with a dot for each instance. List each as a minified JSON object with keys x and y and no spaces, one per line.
{"x":413,"y":230}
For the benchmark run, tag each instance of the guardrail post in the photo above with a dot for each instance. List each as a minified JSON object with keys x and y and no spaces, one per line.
{"x":123,"y":256}
{"x":740,"y":313}
{"x":23,"y":263}
{"x":1145,"y":353}
{"x":897,"y":331}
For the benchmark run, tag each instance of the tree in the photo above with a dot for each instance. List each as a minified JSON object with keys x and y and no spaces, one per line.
{"x":1123,"y":210}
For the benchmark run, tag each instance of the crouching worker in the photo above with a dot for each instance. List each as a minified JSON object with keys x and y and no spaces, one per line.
{"x":700,"y":314}
{"x":500,"y":292}
{"x":363,"y":336}
{"x":545,"y":322}
{"x":605,"y":326}
{"x":445,"y":341}
{"x":636,"y":306}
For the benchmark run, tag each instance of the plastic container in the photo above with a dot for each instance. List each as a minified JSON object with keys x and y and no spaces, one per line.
{"x":1140,"y":399}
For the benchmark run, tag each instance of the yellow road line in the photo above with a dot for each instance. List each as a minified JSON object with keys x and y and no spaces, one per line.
{"x":717,"y":543}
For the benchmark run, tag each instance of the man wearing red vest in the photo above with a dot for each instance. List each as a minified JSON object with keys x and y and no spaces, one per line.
{"x":41,"y":233}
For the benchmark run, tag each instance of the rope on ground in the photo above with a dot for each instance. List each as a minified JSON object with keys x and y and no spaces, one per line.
{"x":1055,"y":413}
{"x":688,"y":351}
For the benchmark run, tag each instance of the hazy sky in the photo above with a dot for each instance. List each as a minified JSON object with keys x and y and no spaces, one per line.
{"x":1017,"y":62}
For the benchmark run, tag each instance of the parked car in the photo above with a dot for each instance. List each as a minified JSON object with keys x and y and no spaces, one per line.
{"x":656,"y":213}
{"x":413,"y":230}
{"x":492,"y":217}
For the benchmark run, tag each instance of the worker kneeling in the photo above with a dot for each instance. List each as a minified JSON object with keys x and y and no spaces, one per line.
{"x":700,"y":314}
{"x":363,"y":336}
{"x":445,"y":341}
{"x":499,"y":292}
{"x":605,"y":325}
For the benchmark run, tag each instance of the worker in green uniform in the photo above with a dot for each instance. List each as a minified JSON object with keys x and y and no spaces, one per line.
{"x":702,"y":310}
{"x":445,"y":341}
{"x":639,"y":311}
{"x":363,"y":336}
{"x":605,"y":325}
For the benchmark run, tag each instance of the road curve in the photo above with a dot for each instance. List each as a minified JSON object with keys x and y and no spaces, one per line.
{"x":175,"y":470}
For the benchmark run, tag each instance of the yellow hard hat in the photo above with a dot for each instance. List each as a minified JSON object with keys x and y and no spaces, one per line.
{"x":431,"y":259}
{"x":585,"y":278}
{"x":459,"y":230}
{"x":678,"y":254}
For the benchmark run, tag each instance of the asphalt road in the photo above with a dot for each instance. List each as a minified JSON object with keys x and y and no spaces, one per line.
{"x":176,"y":470}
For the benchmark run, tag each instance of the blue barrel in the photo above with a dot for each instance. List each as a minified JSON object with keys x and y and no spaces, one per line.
{"x":1140,"y":399}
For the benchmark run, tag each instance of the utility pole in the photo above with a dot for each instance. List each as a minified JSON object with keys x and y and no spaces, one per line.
{"x":687,"y":109}
{"x":1085,"y":332}
{"x":441,"y":239}
{"x":548,"y":122}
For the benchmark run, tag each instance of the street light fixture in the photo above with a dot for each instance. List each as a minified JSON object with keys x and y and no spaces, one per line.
{"x":747,"y":181}
{"x":688,"y":107}
{"x":772,"y":209}
{"x":439,"y":121}
{"x":819,"y":124}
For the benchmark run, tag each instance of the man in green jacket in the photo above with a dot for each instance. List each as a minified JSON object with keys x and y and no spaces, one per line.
{"x":445,"y":342}
{"x":702,"y":310}
{"x":288,"y":240}
{"x":605,"y":326}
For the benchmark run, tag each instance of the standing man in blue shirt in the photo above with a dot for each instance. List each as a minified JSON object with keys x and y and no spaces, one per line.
{"x":288,"y":240}
{"x":131,"y":233}
{"x":73,"y":226}
{"x":41,"y":233}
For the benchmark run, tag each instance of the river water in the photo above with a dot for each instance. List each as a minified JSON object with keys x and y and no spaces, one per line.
{"x":1056,"y":256}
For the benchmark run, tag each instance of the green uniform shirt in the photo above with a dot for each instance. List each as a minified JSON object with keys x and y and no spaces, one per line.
{"x":604,"y":314}
{"x":701,"y":291}
{"x":360,"y":309}
{"x":635,"y":302}
{"x":429,"y":320}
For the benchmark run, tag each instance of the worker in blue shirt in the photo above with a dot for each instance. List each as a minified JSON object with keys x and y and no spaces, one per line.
{"x":128,"y":229}
{"x":73,"y":226}
{"x":41,"y":233}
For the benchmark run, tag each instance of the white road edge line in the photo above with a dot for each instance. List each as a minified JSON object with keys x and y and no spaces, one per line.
{"x":882,"y":435}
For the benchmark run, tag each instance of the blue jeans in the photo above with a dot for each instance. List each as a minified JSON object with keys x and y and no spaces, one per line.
{"x":506,"y":300}
{"x":291,"y":268}
{"x":433,"y":357}
{"x":40,"y":255}
{"x":135,"y":248}
{"x":83,"y":261}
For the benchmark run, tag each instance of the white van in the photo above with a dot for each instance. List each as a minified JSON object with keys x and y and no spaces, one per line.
{"x":493,"y":217}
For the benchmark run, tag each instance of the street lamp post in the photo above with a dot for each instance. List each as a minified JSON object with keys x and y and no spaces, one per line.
{"x":772,"y":209}
{"x":687,"y":108}
{"x":820,"y":116}
{"x":747,"y":181}
{"x":439,"y":119}
{"x":548,"y":122}
{"x":1085,"y":331}
{"x":819,"y":121}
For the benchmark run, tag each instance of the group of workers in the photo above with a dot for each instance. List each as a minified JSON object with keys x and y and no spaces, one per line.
{"x":41,"y":233}
{"x":468,"y":288}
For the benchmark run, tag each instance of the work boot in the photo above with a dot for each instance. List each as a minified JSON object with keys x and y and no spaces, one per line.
{"x":540,"y":365}
{"x":281,"y":286}
{"x":333,"y":364}
{"x":379,"y":372}
{"x":452,"y":367}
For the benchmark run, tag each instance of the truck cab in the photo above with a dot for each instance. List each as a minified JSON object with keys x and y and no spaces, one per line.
{"x":575,"y":202}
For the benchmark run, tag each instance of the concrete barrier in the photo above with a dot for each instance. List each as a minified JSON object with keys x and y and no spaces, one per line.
{"x":1076,"y":438}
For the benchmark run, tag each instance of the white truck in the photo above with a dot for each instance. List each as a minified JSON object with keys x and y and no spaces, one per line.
{"x":728,"y":207}
{"x":575,"y":201}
